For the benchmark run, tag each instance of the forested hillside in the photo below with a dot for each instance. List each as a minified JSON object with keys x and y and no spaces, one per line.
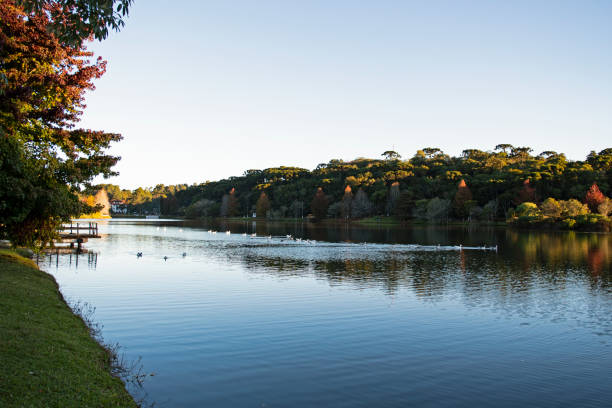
{"x":430,"y":185}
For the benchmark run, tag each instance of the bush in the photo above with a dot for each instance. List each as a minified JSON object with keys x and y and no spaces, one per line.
{"x":529,"y":219}
{"x":551,"y":208}
{"x":589,"y":219}
{"x":605,"y":208}
{"x":527,"y":209}
{"x":568,"y":223}
{"x":573,"y":208}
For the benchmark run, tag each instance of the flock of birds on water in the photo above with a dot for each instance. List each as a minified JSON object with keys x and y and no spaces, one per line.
{"x":290,"y":237}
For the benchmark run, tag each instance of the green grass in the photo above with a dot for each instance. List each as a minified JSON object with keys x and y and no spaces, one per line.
{"x":378,"y":221}
{"x":47,"y":356}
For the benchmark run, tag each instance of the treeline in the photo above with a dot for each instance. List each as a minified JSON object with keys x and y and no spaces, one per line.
{"x":592,"y":214}
{"x":147,"y":200}
{"x":431,"y":185}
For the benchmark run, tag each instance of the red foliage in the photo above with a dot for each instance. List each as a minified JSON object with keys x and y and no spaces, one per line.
{"x":462,"y":197}
{"x":232,"y":204}
{"x":525,"y":194}
{"x":44,"y":89}
{"x":263,"y":205}
{"x":346,"y":202}
{"x":319,"y":204}
{"x":594,"y":197}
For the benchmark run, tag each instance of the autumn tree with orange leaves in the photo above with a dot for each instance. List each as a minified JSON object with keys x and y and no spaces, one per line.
{"x":347,"y":199}
{"x":462,"y":201}
{"x":44,"y":158}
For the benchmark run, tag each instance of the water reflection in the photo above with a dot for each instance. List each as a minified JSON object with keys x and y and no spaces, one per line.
{"x":382,"y":313}
{"x":52,"y":258}
{"x":550,"y":266}
{"x":390,"y":256}
{"x":560,"y":250}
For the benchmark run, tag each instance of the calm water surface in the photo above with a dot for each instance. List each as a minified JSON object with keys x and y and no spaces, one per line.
{"x":361,"y":318}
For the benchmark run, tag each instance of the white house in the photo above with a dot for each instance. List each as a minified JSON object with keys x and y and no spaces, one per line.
{"x":118,"y":207}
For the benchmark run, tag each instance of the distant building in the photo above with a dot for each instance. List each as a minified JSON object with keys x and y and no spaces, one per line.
{"x":118,"y":207}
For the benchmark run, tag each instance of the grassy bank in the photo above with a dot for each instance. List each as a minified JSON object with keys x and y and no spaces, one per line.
{"x":48,"y":358}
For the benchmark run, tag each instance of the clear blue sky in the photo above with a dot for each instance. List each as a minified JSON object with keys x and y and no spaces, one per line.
{"x":204,"y":90}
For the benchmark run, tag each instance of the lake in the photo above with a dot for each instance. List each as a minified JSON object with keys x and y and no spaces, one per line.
{"x":351,"y":316}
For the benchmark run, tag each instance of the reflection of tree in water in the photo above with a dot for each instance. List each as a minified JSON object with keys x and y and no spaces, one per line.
{"x":562,"y":250}
{"x":540,"y":285}
{"x":429,"y":271}
{"x":426,"y":276}
{"x":556,"y":275}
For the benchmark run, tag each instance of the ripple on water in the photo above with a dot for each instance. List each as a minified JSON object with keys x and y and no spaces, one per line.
{"x":245,"y":321}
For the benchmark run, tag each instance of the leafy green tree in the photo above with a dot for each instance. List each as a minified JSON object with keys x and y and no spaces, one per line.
{"x":527,"y":209}
{"x":496,"y":179}
{"x":201,"y":208}
{"x":420,"y":209}
{"x":505,"y":148}
{"x":438,"y":209}
{"x":73,"y":21}
{"x":489,"y":211}
{"x":551,"y":208}
{"x":45,"y":159}
{"x":405,"y":205}
{"x":391,"y":155}
{"x":476,"y":212}
{"x":605,"y":208}
{"x":573,"y":208}
{"x":141,"y":196}
{"x":361,"y":205}
{"x":334,"y":210}
{"x":297,"y":209}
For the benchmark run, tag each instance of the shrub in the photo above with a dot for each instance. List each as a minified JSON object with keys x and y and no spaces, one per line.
{"x":568,"y":223}
{"x":605,"y":208}
{"x":588,"y":219}
{"x":527,"y":209}
{"x":573,"y":208}
{"x":551,"y":208}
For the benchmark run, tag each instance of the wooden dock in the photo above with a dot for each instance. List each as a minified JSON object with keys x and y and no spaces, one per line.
{"x":78,"y":233}
{"x":79,"y":230}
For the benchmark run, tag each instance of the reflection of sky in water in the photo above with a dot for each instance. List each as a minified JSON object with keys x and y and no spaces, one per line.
{"x":243,"y":321}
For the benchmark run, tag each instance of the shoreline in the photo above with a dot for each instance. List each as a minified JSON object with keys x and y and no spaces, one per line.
{"x":383,"y":221}
{"x":50,"y":355}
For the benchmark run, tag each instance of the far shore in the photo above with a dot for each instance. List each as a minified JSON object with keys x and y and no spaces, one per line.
{"x":391,"y":221}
